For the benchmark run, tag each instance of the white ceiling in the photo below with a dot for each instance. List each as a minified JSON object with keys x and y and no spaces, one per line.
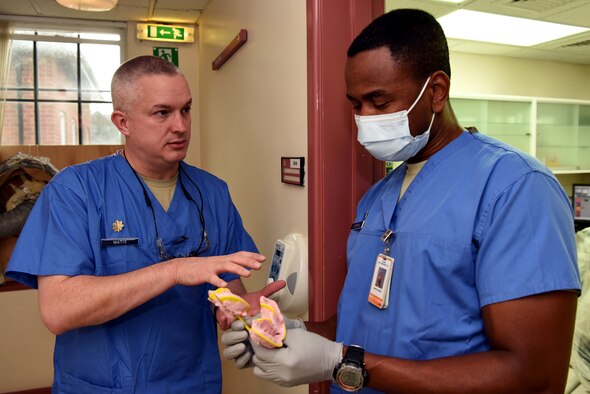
{"x":171,"y":11}
{"x":575,"y":49}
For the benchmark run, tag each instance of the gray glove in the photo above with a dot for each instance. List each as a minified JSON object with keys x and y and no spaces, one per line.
{"x":306,"y":358}
{"x":294,"y":323}
{"x":237,"y":346}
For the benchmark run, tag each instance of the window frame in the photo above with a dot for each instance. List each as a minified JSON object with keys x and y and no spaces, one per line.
{"x":61,"y":26}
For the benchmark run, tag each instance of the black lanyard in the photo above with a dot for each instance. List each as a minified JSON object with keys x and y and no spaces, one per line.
{"x":159,"y":243}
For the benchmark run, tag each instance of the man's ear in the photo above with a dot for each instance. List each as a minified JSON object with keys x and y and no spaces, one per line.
{"x":441,"y":85}
{"x":120,"y":120}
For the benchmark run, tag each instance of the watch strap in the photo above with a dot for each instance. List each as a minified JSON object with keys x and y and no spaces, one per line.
{"x":355,"y":355}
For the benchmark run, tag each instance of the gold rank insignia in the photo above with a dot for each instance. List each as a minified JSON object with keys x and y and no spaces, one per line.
{"x":118,"y":226}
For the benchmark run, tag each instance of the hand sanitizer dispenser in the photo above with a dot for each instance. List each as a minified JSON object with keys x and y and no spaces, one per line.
{"x":289,"y":263}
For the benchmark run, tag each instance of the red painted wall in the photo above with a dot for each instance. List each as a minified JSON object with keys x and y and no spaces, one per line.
{"x":340,"y":170}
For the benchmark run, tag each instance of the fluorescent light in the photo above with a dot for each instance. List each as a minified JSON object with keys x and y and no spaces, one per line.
{"x":500,"y":29}
{"x":89,"y":5}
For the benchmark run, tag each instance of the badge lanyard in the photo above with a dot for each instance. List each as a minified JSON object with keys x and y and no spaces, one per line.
{"x":357,"y":226}
{"x":386,"y":238}
{"x":381,"y":282}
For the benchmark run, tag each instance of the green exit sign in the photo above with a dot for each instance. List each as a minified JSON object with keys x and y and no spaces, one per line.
{"x":170,"y":54}
{"x":173,"y":33}
{"x":177,"y":34}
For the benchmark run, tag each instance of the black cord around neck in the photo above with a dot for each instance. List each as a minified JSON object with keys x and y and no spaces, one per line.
{"x":186,"y":194}
{"x":148,"y":201}
{"x":190,"y":198}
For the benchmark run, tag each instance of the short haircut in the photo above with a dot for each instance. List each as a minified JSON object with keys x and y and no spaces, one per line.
{"x":123,"y":89}
{"x":415,"y":39}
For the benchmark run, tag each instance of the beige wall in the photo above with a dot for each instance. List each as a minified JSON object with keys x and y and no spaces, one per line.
{"x":252,"y":112}
{"x":27,"y":346}
{"x":496,"y":75}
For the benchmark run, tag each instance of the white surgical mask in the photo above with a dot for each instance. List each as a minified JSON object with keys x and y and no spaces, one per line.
{"x":387,"y":137}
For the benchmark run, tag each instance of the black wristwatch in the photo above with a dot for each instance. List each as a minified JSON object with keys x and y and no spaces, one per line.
{"x":350,"y":375}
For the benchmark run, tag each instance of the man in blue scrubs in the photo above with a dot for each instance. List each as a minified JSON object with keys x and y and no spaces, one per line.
{"x":477,"y":239}
{"x":124,"y":249}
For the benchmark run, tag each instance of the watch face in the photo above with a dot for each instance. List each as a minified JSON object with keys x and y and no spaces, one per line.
{"x":350,"y":378}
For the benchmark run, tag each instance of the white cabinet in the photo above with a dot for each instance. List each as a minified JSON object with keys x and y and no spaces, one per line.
{"x":563,"y":135}
{"x":557,"y":132}
{"x":507,"y":120}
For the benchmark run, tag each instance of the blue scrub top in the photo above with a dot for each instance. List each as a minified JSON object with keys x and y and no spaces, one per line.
{"x":167,"y":345}
{"x":481,"y":223}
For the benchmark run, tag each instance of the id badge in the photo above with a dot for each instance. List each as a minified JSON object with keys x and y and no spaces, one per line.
{"x":381,"y":282}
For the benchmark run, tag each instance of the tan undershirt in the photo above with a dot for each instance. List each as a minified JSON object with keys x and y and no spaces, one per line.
{"x":411,"y":171}
{"x":163,"y":190}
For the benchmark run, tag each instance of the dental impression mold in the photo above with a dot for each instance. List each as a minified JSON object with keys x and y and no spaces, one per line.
{"x":268,"y":330}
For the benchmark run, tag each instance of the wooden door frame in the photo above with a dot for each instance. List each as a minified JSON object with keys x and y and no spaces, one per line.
{"x":339,"y":170}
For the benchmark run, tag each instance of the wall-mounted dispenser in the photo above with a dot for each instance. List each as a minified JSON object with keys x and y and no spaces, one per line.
{"x":289,"y":263}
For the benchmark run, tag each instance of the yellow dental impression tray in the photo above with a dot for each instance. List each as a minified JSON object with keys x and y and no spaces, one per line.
{"x":231,"y":305}
{"x":269,"y":330}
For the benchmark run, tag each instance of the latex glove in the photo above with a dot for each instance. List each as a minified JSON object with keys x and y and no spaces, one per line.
{"x":237,"y":346}
{"x":307,"y":358}
{"x":294,"y":323}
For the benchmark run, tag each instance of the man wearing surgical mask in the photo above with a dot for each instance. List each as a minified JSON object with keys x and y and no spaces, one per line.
{"x":388,"y":137}
{"x":476,"y":239}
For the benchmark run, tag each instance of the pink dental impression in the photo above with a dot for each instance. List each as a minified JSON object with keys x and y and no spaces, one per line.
{"x":229,"y":303}
{"x":269,"y":330}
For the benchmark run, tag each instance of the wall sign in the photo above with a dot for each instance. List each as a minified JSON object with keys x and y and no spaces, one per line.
{"x":166,"y":53}
{"x":293,"y":170}
{"x":179,"y":34}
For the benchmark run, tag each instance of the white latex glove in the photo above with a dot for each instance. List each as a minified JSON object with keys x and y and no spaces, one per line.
{"x":306,"y":358}
{"x":237,"y":346}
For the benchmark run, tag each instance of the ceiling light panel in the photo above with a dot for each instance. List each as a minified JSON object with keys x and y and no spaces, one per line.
{"x":539,"y":6}
{"x":89,"y":5}
{"x":500,"y":29}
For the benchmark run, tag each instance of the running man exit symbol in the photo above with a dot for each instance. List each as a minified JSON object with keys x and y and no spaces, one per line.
{"x":169,"y":54}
